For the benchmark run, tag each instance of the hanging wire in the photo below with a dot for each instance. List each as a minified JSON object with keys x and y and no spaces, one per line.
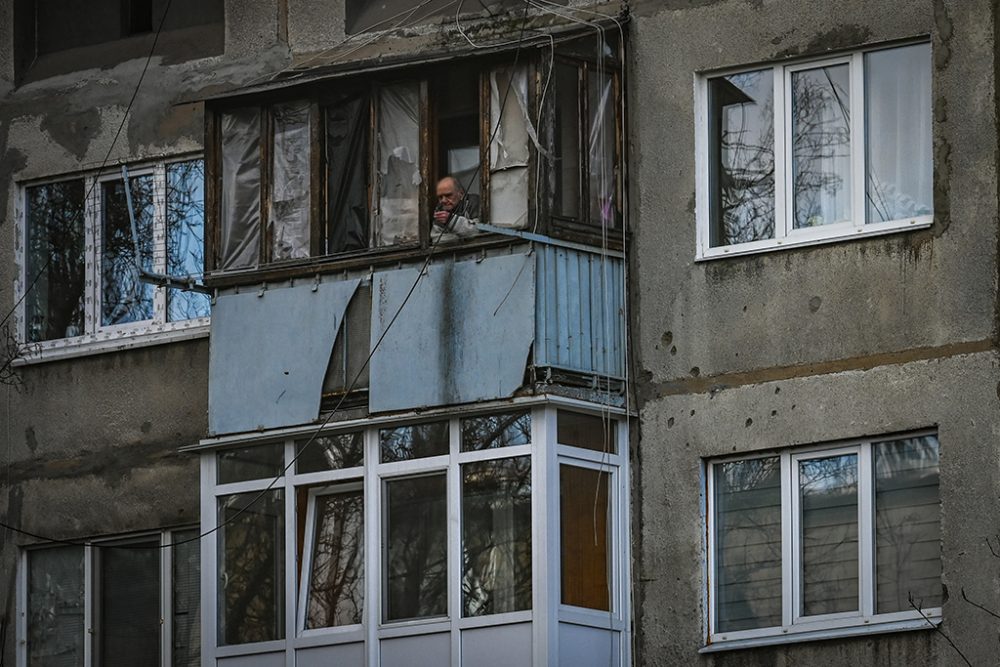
{"x":318,"y":430}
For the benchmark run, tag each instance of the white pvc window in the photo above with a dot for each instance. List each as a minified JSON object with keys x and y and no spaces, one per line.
{"x":814,"y":151}
{"x":121,"y":602}
{"x":824,"y":539}
{"x":80,"y":262}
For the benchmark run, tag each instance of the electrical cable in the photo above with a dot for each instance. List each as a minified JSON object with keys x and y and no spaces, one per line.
{"x":104,"y":162}
{"x":316,"y":432}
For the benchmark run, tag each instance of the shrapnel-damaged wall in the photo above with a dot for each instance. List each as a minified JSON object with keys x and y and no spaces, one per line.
{"x":90,"y":443}
{"x":845,"y":340}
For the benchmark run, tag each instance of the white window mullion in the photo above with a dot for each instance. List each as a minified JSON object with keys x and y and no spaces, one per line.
{"x":454,"y":565}
{"x":790,"y":572}
{"x":372,"y":548}
{"x":92,"y":251}
{"x":159,"y":240}
{"x":711,"y":577}
{"x":866,"y":531}
{"x":166,"y":598}
{"x":782,"y":157}
{"x":209,"y":560}
{"x":21,"y":627}
{"x":89,"y":606}
{"x":858,"y":152}
{"x":291,"y":551}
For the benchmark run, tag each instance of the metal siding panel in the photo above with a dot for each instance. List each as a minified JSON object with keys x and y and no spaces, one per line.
{"x":269,"y":353}
{"x":497,"y":646}
{"x":463,"y":336}
{"x":579,"y":311}
{"x":416,"y":651}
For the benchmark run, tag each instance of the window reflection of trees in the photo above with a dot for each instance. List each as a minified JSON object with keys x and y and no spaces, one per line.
{"x":496,"y":536}
{"x":124,"y":297}
{"x":336,"y":584}
{"x":492,"y":431}
{"x":252,"y":554}
{"x":186,"y":236}
{"x":413,"y":442}
{"x":416,"y":548}
{"x":54,"y":308}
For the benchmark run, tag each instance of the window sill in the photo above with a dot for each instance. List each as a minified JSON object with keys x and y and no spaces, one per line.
{"x":814,"y":237}
{"x":794,"y":637}
{"x":100,"y":343}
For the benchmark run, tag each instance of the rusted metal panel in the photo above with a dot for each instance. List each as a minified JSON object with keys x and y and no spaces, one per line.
{"x":463,"y":335}
{"x":269,"y":352}
{"x":580,"y":312}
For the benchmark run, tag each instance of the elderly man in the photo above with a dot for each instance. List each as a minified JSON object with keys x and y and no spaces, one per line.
{"x":456,"y":213}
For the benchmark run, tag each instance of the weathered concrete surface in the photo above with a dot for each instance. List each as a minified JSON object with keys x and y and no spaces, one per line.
{"x":314,"y":25}
{"x":822,"y":303}
{"x":810,"y":345}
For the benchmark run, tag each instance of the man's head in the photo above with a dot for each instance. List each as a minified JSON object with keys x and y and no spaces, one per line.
{"x":449,"y":193}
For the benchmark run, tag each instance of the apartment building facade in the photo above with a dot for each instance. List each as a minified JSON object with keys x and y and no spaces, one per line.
{"x":705,"y":371}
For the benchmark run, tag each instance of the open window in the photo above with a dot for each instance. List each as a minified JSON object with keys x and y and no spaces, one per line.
{"x":362,"y":165}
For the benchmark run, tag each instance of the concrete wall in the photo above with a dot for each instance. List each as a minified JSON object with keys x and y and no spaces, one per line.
{"x":808,"y":345}
{"x":90,"y":444}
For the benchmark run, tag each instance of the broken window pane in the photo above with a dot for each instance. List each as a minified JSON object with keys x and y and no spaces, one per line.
{"x":290,"y":203}
{"x":584,"y":515}
{"x":129,"y":605}
{"x":566,"y":139}
{"x":491,"y":431}
{"x":741,"y":114}
{"x":398,"y":165}
{"x":251,"y":595}
{"x":601,"y":148}
{"x":336,"y":576}
{"x":186,"y":600}
{"x":124,"y":297}
{"x":239,"y":214}
{"x":413,"y":442}
{"x":898,"y":142}
{"x":186,"y":237}
{"x":55,"y":607}
{"x":416,"y":539}
{"x":821,"y":146}
{"x":512,"y":133}
{"x":347,"y":172}
{"x":55,"y":243}
{"x":496,"y":536}
{"x":456,"y":91}
{"x":330,"y":452}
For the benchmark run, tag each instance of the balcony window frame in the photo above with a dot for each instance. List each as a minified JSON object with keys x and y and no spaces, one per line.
{"x":545,"y":456}
{"x":785,"y":234}
{"x":97,"y":337}
{"x":795,"y":626}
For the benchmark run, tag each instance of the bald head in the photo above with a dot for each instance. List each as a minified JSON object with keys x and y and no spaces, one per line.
{"x":449,"y":193}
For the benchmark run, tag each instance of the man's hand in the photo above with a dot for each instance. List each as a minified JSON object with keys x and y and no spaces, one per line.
{"x":441,"y":217}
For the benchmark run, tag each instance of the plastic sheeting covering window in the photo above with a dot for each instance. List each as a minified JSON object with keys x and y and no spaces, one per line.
{"x":239,"y":215}
{"x":512,"y":131}
{"x":347,"y":172}
{"x":464,"y":335}
{"x":398,"y":213}
{"x":602,"y":149}
{"x":290,"y":203}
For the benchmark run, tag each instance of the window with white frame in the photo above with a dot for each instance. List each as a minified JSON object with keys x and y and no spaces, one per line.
{"x":417,"y":528}
{"x":825,"y":539}
{"x":82,"y":261}
{"x":131,"y":601}
{"x":813,"y":151}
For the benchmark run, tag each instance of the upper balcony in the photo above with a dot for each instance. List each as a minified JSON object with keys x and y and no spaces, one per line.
{"x":460,"y":223}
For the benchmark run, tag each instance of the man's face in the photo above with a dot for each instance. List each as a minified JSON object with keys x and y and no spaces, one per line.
{"x":448,"y":194}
